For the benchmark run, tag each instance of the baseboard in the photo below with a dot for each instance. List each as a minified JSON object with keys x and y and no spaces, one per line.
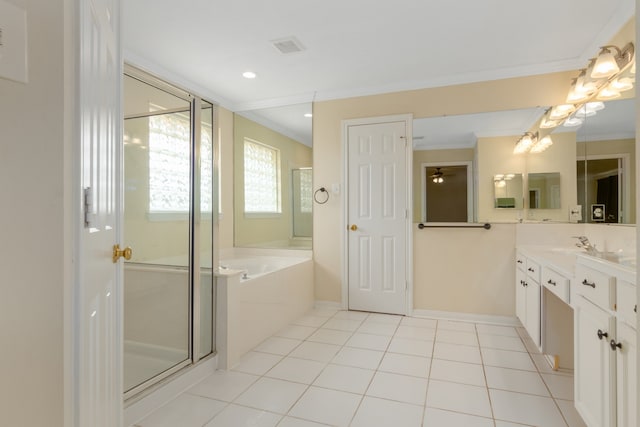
{"x":467,"y":317}
{"x":328,"y":304}
{"x":167,"y":391}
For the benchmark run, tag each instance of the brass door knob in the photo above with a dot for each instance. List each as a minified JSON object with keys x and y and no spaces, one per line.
{"x":354,"y":227}
{"x":124,"y":253}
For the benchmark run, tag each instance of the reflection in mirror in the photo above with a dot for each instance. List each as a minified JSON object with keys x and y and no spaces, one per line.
{"x":508,"y":191}
{"x":272,"y":177}
{"x":544,"y":190}
{"x":606,"y":162}
{"x":447,"y":193}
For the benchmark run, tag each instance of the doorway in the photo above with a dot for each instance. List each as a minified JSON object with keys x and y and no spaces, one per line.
{"x":379,"y":261}
{"x":168,"y":144}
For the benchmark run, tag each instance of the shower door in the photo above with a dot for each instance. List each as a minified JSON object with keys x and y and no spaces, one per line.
{"x":168,"y":286}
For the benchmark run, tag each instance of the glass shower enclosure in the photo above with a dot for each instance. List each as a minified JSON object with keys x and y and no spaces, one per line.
{"x":169,"y":204}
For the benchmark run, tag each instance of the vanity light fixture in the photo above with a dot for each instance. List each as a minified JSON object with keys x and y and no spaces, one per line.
{"x":608,"y":92}
{"x":561,"y":111}
{"x":549,"y":124}
{"x":577,"y":94}
{"x":622,"y":84}
{"x":542,"y":145}
{"x":572,"y":122}
{"x":525,"y":142}
{"x":606,"y":63}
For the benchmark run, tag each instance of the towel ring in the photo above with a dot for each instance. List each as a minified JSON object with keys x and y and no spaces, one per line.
{"x":326,"y":197}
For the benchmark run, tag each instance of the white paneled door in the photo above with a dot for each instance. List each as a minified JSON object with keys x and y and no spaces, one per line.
{"x":97,"y":314}
{"x":378,"y":216}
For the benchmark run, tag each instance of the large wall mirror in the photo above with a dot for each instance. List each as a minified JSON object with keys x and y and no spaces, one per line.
{"x":273,"y":177}
{"x":606,"y":172}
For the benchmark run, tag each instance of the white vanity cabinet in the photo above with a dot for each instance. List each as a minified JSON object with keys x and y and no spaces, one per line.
{"x":605,"y":345}
{"x":528,"y":295}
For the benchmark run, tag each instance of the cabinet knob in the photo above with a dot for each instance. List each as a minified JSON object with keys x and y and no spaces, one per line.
{"x":531,"y":269}
{"x":602,"y":334}
{"x":551,"y":282}
{"x":587,"y":283}
{"x":519,"y":261}
{"x":635,"y":308}
{"x":614,"y":345}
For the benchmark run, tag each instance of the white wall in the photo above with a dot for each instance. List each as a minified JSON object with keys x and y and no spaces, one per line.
{"x":34,"y":168}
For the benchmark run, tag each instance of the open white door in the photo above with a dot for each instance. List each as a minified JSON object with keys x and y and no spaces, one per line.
{"x":97,"y":314}
{"x":378,"y":188}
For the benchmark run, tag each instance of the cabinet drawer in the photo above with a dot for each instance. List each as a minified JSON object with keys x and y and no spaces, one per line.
{"x":596,"y":286}
{"x":556,"y":283}
{"x":626,"y":301}
{"x":533,"y":270}
{"x":521,"y":262}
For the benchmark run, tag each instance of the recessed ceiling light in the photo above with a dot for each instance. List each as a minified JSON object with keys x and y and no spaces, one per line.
{"x":308,"y":115}
{"x":249,"y":75}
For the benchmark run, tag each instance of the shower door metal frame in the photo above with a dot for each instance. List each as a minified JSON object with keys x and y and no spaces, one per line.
{"x":195,"y":107}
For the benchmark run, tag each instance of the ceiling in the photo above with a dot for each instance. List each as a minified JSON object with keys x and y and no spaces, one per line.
{"x":359,"y":47}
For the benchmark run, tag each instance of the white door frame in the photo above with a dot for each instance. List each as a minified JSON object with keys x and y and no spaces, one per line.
{"x":408,"y":120}
{"x":470,"y":192}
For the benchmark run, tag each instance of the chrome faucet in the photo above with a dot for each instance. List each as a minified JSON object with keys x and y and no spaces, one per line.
{"x":586,"y":244}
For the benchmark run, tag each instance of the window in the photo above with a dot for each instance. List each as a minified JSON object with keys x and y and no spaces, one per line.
{"x":261,"y":178}
{"x":169,"y":164}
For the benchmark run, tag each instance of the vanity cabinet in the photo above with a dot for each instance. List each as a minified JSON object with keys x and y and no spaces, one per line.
{"x":605,"y":347}
{"x":528,"y":295}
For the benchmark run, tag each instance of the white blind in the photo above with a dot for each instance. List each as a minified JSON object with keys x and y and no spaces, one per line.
{"x":261,"y":178}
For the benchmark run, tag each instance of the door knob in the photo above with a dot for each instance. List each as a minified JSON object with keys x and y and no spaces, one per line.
{"x":354,"y":227}
{"x":125,"y":253}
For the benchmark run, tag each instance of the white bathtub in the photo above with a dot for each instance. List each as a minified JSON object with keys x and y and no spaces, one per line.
{"x":278,"y":288}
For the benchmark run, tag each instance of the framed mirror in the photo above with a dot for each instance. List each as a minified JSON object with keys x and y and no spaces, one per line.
{"x":508,"y":191}
{"x":543,"y":190}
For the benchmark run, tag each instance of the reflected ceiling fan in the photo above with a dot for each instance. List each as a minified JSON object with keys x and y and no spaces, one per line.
{"x":437,"y":176}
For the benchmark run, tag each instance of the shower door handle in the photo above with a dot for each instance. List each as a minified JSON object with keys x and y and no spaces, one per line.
{"x":121,"y":253}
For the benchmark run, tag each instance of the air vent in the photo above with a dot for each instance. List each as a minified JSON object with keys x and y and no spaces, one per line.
{"x":288,"y":45}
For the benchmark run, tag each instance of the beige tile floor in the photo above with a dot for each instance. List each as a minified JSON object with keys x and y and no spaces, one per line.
{"x":339,"y":368}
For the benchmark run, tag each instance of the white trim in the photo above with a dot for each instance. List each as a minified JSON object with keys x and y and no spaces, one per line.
{"x":468,"y":317}
{"x":345,"y":124}
{"x":137,"y":410}
{"x":470,"y":192}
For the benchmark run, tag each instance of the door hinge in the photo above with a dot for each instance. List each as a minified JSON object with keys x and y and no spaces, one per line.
{"x":89,"y":214}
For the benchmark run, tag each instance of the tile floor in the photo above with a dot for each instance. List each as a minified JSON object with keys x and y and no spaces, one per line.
{"x":339,"y":368}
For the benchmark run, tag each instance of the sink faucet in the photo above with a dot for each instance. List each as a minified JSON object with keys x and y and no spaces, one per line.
{"x":586,"y":244}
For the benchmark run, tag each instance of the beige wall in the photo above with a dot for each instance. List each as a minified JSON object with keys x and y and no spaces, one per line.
{"x":327,"y":161}
{"x":256,"y":231}
{"x":465,"y":270}
{"x":35,"y":170}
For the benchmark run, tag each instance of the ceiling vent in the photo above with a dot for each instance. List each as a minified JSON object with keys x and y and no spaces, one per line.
{"x":288,"y":45}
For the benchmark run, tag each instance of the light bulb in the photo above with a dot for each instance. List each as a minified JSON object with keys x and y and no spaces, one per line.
{"x":605,"y":66}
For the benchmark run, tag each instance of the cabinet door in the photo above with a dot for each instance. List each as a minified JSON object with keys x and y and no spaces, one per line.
{"x":521,"y":297}
{"x":533,"y":311}
{"x":626,"y":385}
{"x":592,"y":354}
